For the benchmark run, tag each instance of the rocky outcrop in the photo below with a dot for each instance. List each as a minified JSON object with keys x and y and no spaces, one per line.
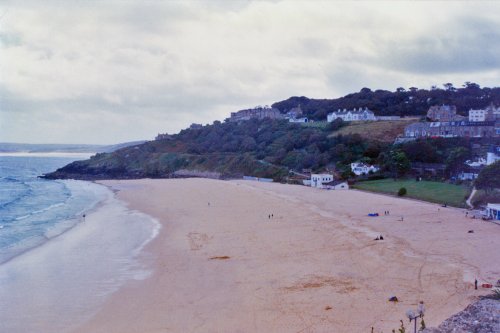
{"x":482,"y":316}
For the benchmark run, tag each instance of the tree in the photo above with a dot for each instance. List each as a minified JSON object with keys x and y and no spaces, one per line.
{"x":456,"y":159}
{"x":397,"y":163}
{"x":471,"y":85}
{"x":448,"y":86}
{"x":489,"y":178}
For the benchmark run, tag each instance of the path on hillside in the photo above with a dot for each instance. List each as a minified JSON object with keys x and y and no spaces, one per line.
{"x":468,"y":201}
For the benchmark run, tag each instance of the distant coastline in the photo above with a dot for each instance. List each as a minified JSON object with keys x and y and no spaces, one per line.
{"x":47,"y":154}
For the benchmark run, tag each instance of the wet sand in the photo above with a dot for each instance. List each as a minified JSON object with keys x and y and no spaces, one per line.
{"x":220,"y":264}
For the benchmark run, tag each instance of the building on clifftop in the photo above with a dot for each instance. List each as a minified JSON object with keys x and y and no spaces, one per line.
{"x":444,"y":113}
{"x":352,"y":115}
{"x":259,"y":112}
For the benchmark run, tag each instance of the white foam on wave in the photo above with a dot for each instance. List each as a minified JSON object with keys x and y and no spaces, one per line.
{"x":57,"y":286}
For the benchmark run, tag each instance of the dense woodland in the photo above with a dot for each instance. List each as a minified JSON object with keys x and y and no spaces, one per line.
{"x":268,"y":148}
{"x":402,"y":102}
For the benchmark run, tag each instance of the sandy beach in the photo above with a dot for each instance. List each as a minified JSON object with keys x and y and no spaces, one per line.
{"x":222,"y":264}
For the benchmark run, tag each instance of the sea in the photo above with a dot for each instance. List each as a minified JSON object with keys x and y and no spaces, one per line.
{"x":65,"y":245}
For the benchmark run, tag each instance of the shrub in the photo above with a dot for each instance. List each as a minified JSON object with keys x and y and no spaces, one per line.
{"x":402,"y":191}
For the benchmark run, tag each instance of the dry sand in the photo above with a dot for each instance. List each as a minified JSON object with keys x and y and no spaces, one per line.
{"x":313,"y":267}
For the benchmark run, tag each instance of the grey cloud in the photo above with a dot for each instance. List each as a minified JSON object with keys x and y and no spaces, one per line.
{"x":120,"y":70}
{"x":469,"y":45}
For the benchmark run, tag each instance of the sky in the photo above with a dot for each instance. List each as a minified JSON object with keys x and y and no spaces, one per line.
{"x":103,"y":72}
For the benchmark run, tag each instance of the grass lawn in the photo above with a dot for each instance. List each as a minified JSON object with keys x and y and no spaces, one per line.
{"x":453,"y":195}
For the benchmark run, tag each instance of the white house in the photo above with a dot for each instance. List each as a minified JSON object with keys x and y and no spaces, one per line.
{"x":352,"y":115}
{"x":493,"y":211}
{"x":468,"y":175}
{"x":493,"y":155}
{"x":337,"y":185}
{"x":476,"y":163}
{"x":317,"y":180}
{"x":477,"y":115}
{"x":490,"y":113}
{"x":299,"y":120}
{"x":359,"y":168}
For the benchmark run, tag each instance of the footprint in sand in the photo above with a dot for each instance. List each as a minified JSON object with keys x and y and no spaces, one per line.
{"x":197,"y":240}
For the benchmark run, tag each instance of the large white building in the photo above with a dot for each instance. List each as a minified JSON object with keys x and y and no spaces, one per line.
{"x":352,"y":115}
{"x":477,"y":115}
{"x":490,"y":113}
{"x":318,"y":179}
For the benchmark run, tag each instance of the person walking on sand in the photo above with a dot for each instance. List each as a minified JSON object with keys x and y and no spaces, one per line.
{"x":475,"y":284}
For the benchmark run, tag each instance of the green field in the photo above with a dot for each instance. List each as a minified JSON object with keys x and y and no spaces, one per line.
{"x":453,"y":195}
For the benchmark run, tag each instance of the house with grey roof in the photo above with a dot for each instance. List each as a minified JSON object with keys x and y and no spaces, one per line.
{"x":352,"y":115}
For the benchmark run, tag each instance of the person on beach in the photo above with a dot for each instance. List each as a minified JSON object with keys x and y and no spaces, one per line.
{"x":83,"y":217}
{"x":475,"y":284}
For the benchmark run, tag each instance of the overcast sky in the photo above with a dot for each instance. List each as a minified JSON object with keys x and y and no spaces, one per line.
{"x":116,"y":71}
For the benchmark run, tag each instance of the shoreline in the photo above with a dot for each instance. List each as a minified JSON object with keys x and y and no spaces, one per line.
{"x":77,"y":218}
{"x":221,"y":264}
{"x":64,"y":281}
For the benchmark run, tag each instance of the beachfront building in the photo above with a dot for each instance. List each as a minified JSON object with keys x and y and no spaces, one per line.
{"x":336,"y":185}
{"x":493,"y":211}
{"x":318,"y":179}
{"x":359,"y":168}
{"x":352,"y":115}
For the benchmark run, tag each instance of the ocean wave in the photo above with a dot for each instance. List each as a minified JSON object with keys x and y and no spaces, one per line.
{"x":16,"y":199}
{"x":59,"y":204}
